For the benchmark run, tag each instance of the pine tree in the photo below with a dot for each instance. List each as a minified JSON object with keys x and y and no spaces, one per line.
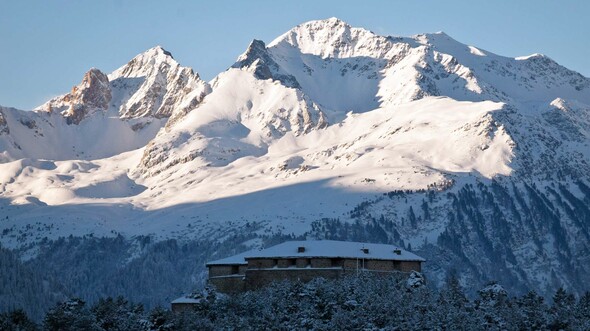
{"x":70,"y":315}
{"x":117,"y":314}
{"x":582,"y":313}
{"x":412,"y":218}
{"x":532,"y":312}
{"x":561,"y":310}
{"x":160,"y":319}
{"x":16,"y":320}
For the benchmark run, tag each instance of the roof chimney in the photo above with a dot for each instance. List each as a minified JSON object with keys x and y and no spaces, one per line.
{"x":365,"y":250}
{"x":397,"y":251}
{"x":300,"y":249}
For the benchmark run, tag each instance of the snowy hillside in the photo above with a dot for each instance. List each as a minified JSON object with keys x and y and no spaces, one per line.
{"x":478,"y":161}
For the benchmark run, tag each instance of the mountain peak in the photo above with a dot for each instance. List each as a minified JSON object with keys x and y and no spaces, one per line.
{"x":93,"y":77}
{"x":158,"y":85}
{"x":158,"y":51}
{"x":93,"y":93}
{"x":330,"y":37}
{"x":144,"y":63}
{"x":256,"y":46}
{"x":260,"y":63}
{"x":325,"y":23}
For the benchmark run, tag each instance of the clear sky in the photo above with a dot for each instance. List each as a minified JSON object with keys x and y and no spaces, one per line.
{"x":47,"y":46}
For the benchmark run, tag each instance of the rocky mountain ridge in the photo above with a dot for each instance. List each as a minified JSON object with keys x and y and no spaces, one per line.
{"x":105,"y":114}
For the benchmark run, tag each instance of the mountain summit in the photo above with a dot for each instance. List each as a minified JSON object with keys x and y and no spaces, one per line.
{"x":92,"y":94}
{"x":333,"y":38}
{"x":479,"y":162}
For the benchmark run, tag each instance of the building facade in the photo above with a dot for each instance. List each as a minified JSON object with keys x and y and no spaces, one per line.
{"x":306,"y":260}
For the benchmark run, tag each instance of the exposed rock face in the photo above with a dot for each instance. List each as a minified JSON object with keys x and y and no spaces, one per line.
{"x":94,"y":93}
{"x":239,"y":118}
{"x":257,"y":60}
{"x":153,"y":84}
{"x":3,"y":124}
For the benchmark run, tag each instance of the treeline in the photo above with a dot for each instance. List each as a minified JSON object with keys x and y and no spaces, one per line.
{"x":352,"y":303}
{"x":141,"y":269}
{"x":489,"y":231}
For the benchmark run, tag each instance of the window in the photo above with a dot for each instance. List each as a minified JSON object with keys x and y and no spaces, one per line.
{"x":337,"y":262}
{"x":235,"y":269}
{"x":303,"y":263}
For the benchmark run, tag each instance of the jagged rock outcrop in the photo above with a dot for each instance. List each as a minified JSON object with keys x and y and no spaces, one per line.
{"x":93,"y":94}
{"x":3,"y":124}
{"x":105,"y":115}
{"x":153,"y":84}
{"x":257,"y":60}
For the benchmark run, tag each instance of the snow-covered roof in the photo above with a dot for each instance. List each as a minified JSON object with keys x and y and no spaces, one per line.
{"x":235,"y":259}
{"x":186,"y":300}
{"x":324,"y":248}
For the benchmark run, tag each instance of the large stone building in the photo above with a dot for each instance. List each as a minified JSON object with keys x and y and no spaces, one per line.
{"x":305,"y":260}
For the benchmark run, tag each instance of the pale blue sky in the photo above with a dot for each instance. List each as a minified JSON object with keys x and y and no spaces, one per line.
{"x":46,"y":46}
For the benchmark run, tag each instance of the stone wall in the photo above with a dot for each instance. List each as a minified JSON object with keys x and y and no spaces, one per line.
{"x":409,"y":266}
{"x":321,"y":263}
{"x":259,"y":278}
{"x":382,"y":265}
{"x":379,"y":265}
{"x":242,"y":269}
{"x":224,"y":270}
{"x":180,"y":307}
{"x":261,"y":263}
{"x":302,"y":263}
{"x":229,"y":284}
{"x":286,"y":263}
{"x":351,"y":264}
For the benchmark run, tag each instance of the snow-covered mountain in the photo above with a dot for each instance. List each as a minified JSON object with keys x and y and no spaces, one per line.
{"x":478,"y":161}
{"x":104,"y":115}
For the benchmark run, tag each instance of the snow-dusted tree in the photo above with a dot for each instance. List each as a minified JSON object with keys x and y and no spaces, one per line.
{"x":16,"y":320}
{"x":582,"y":313}
{"x":562,"y":310}
{"x":70,"y":315}
{"x":531,"y":313}
{"x":160,"y":319}
{"x":452,"y":305}
{"x":495,"y":310}
{"x":118,"y":314}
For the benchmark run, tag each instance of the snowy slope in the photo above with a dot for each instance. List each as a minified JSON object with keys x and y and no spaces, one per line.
{"x":318,"y":124}
{"x":239,"y":118}
{"x":42,"y":135}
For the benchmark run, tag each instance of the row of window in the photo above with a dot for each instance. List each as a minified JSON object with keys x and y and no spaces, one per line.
{"x":304,"y":263}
